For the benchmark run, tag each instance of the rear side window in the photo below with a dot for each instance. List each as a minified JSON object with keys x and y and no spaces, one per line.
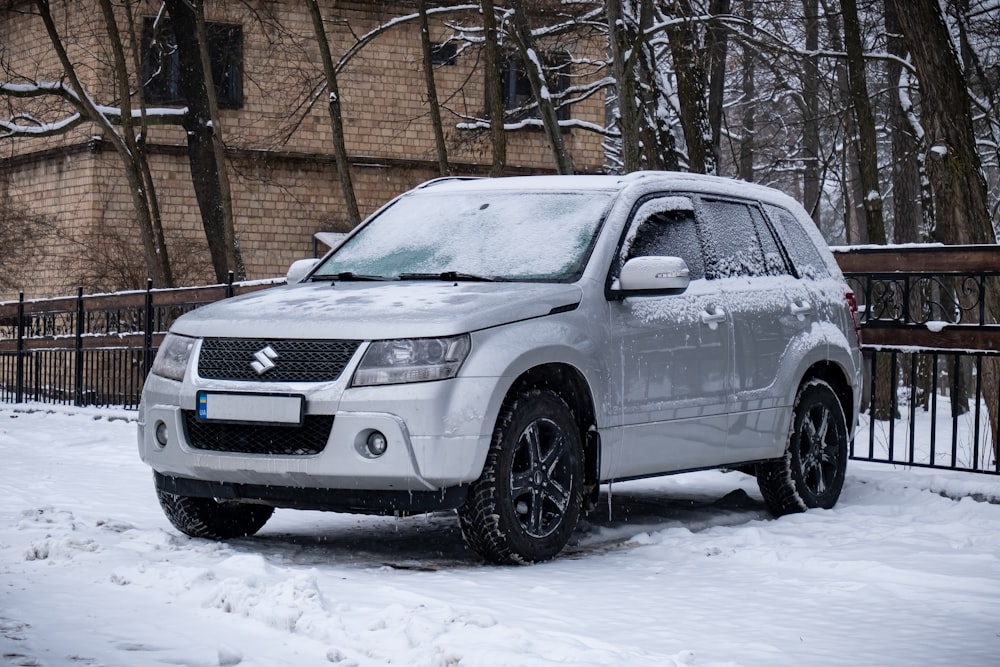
{"x":804,"y":255}
{"x":738,"y":241}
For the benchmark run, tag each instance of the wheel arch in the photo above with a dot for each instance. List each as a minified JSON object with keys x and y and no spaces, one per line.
{"x":569,"y":383}
{"x":835,"y":376}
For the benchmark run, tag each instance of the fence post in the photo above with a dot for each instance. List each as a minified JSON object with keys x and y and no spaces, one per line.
{"x":230,"y":291}
{"x":147,"y":330}
{"x":19,"y":380}
{"x":78,"y":345}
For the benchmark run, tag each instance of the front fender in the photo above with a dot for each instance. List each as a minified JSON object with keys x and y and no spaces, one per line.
{"x":506,"y":353}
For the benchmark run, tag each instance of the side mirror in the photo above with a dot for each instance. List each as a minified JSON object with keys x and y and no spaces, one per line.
{"x":667,"y":275}
{"x":298,"y":270}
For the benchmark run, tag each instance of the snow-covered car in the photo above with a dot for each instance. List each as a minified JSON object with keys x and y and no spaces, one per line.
{"x":502,"y":347}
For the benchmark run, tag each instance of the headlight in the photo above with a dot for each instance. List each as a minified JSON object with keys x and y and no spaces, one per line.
{"x":173,"y":356}
{"x":411,"y":360}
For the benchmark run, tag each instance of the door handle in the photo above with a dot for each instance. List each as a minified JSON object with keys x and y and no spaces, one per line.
{"x":712,"y":319}
{"x":800,"y":311}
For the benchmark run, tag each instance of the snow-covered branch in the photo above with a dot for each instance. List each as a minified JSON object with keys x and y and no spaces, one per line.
{"x":27,"y":125}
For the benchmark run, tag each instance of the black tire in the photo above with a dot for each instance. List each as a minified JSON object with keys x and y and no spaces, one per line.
{"x":812,"y":471}
{"x":526,"y":504}
{"x":213,"y":519}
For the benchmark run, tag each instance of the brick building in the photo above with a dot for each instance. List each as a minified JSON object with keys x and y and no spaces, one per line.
{"x":276,"y":130}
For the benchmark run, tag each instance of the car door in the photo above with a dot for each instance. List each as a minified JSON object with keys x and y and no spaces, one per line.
{"x":672,"y":352}
{"x":768,"y":307}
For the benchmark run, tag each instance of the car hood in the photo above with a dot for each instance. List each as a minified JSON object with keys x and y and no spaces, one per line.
{"x":376,"y":310}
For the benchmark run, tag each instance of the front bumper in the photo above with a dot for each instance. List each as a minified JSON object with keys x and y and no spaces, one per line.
{"x":437,"y":435}
{"x":358,"y":501}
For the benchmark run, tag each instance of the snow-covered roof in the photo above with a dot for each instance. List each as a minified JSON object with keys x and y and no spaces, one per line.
{"x":645,"y":180}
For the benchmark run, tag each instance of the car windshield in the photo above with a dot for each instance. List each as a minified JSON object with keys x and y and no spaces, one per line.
{"x":480,"y":235}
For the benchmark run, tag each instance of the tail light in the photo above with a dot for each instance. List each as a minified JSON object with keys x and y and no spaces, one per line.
{"x":852,"y":305}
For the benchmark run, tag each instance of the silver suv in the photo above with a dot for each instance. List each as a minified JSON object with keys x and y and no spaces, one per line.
{"x":502,"y":347}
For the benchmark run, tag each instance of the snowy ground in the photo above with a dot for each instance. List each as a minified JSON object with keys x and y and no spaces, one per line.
{"x":688,"y":570}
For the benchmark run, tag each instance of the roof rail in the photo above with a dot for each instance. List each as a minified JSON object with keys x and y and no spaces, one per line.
{"x":444,"y":179}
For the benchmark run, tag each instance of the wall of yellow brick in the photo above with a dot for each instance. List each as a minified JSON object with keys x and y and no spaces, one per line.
{"x":284,"y":182}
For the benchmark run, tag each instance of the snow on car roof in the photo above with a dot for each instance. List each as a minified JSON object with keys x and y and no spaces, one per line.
{"x":651,"y":180}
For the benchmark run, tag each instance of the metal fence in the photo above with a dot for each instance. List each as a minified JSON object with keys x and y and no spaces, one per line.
{"x":92,"y":349}
{"x":932,"y":353}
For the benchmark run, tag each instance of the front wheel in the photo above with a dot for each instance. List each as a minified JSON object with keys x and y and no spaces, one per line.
{"x":525,"y":505}
{"x":213,"y":519}
{"x":812,"y":471}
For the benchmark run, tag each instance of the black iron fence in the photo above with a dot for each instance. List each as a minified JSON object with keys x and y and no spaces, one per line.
{"x":92,"y":349}
{"x":932,"y":354}
{"x":931,"y":348}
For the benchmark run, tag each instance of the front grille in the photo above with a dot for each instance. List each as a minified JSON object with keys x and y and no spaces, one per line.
{"x":295,"y":361}
{"x":271,"y":439}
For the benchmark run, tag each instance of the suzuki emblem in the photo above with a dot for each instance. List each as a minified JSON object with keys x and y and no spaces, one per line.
{"x":264,"y":360}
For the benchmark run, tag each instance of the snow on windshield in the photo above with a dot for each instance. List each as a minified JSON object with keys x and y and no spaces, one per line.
{"x":505,"y":235}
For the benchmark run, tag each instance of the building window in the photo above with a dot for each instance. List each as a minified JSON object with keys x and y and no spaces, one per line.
{"x":519,"y":102}
{"x":161,"y":64}
{"x":444,"y":53}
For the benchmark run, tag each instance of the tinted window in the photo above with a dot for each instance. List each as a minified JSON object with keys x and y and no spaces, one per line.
{"x":161,"y":63}
{"x":670,"y":235}
{"x":806,"y":258}
{"x":774,"y":259}
{"x":732,"y":242}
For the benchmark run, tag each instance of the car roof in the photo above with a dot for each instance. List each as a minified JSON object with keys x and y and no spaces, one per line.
{"x":641,"y":181}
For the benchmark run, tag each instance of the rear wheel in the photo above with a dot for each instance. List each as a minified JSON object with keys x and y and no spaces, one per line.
{"x":525,"y":505}
{"x":213,"y":519}
{"x":812,"y":471}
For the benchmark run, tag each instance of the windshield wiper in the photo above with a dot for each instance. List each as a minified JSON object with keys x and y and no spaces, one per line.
{"x":448,"y":275}
{"x":346,"y":276}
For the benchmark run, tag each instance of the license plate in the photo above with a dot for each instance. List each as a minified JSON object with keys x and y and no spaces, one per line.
{"x":262,"y":408}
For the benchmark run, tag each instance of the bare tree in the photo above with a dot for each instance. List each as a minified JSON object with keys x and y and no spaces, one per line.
{"x":535,"y":70}
{"x":717,"y":46}
{"x":865,"y":120}
{"x":117,"y":125}
{"x":692,"y":85}
{"x":811,"y":173}
{"x":206,"y":150}
{"x":434,"y":108}
{"x":623,"y":42}
{"x":336,"y":116}
{"x":494,"y":88}
{"x":748,"y":119}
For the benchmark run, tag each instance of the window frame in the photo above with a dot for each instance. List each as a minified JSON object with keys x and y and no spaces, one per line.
{"x":226,"y":58}
{"x":517,"y":87}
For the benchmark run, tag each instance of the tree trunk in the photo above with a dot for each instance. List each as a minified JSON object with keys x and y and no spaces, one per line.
{"x":143,"y":196}
{"x":867,"y":146}
{"x":233,"y":255}
{"x":432,"y":99}
{"x":157,"y":261}
{"x":623,"y":37}
{"x":494,"y":89}
{"x":692,"y":87}
{"x":749,"y":120}
{"x":534,"y":68}
{"x":336,"y":117}
{"x":810,"y":116}
{"x":954,"y":167}
{"x":908,"y":225}
{"x":717,"y":46}
{"x":208,"y":171}
{"x":656,"y":131}
{"x":156,"y":219}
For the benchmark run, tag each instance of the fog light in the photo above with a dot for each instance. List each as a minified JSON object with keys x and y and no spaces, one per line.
{"x":376,"y":443}
{"x":161,"y":434}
